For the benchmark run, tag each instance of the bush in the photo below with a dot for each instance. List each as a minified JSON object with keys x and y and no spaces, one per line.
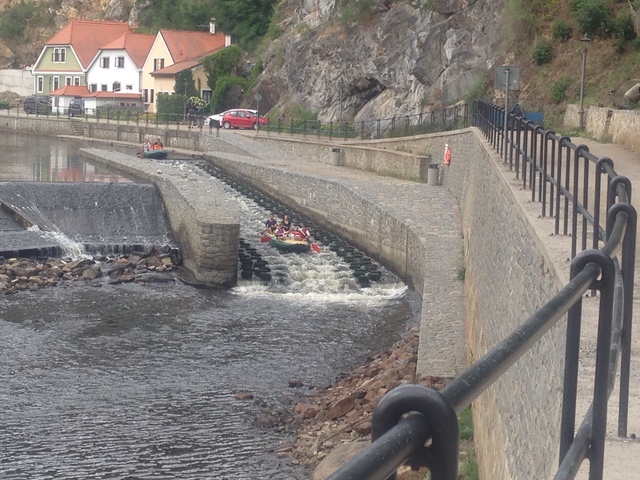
{"x":4,"y":105}
{"x":542,"y":52}
{"x":636,"y":44}
{"x":561,"y":30}
{"x":559,"y":89}
{"x":594,"y":18}
{"x":14,"y":20}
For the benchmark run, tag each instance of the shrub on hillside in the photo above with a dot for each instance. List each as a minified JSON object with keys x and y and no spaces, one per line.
{"x":623,"y":31}
{"x":559,"y":89}
{"x":542,"y":52}
{"x":4,"y":105}
{"x":594,"y":18}
{"x":561,"y":30}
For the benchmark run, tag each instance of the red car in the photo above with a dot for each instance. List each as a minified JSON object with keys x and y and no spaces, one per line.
{"x":242,"y":119}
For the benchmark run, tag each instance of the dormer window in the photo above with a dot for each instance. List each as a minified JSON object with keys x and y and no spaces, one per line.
{"x":59,"y":55}
{"x":104,"y":62}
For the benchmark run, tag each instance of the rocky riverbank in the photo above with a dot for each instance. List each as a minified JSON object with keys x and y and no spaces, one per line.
{"x":18,"y":274}
{"x":334,"y":422}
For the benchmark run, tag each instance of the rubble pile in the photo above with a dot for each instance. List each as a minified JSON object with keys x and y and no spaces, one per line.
{"x":18,"y":274}
{"x":341,"y":413}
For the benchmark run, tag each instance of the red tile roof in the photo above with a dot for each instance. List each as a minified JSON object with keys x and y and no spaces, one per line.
{"x":68,"y":90}
{"x":184,"y":44}
{"x":88,"y":36}
{"x":137,"y":45}
{"x":82,"y":91}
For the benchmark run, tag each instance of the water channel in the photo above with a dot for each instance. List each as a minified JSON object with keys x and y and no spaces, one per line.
{"x":139,"y":381}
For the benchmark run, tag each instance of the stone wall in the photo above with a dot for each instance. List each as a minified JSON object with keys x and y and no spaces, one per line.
{"x":18,"y":81}
{"x":610,"y":125}
{"x":508,"y":277}
{"x":205,"y":226}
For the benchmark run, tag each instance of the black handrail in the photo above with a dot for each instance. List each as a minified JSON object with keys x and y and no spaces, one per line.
{"x":410,"y":415}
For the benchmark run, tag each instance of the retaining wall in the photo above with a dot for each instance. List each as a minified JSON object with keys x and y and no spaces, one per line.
{"x":18,"y":81}
{"x":611,"y":125}
{"x":206,"y":226}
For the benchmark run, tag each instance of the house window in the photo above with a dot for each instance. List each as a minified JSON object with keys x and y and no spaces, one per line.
{"x":56,"y":83}
{"x":116,"y":87}
{"x":119,"y":62}
{"x":59,"y":55}
{"x":145,"y":95}
{"x":158,"y":64}
{"x":40,"y":84}
{"x":151,"y":96}
{"x":93,"y":87}
{"x":76,"y":81}
{"x":67,"y":80}
{"x":129,"y":87}
{"x":206,"y":96}
{"x":104,"y":62}
{"x":103,"y":87}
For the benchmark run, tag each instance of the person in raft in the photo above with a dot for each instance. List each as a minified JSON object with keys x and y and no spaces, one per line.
{"x":271,"y":223}
{"x":286,"y":223}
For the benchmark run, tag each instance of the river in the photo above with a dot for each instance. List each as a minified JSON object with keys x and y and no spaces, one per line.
{"x":139,"y":381}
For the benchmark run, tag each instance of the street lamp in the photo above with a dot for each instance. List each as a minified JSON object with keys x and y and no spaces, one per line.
{"x":585,"y":44}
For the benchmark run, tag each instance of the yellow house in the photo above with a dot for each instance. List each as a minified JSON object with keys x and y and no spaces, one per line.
{"x":174,"y":51}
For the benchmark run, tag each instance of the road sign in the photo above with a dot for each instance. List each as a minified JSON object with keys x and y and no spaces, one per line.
{"x":258,"y":97}
{"x":507,"y":72}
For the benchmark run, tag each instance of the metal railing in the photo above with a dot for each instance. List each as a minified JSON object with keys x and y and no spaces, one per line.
{"x":450,"y":118}
{"x":418,"y":426}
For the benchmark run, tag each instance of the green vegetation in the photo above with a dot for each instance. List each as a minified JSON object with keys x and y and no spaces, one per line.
{"x":14,"y":20}
{"x":559,"y":89}
{"x":561,"y":30}
{"x":222,"y":68}
{"x":247,"y":20}
{"x":542,"y":52}
{"x":355,"y":11}
{"x":171,"y":106}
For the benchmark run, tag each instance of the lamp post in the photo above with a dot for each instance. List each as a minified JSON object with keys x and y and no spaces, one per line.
{"x":585,"y":43}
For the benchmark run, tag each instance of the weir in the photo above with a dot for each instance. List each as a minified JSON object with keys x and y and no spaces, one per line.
{"x":52,"y":218}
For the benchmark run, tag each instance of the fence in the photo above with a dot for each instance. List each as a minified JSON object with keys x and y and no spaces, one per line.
{"x":558,"y":174}
{"x":450,"y":118}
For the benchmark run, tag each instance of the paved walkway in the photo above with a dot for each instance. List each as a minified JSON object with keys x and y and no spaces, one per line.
{"x":621,"y":455}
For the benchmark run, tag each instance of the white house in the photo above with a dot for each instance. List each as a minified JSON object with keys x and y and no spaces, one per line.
{"x":117,"y":67}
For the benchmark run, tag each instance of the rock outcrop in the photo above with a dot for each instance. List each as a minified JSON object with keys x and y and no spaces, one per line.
{"x":397,"y":58}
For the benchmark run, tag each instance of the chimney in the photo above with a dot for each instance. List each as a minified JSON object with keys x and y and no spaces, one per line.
{"x":212,"y":26}
{"x":227,"y":40}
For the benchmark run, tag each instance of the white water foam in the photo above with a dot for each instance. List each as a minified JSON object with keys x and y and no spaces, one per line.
{"x":308,"y":277}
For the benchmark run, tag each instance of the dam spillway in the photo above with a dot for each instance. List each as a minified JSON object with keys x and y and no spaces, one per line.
{"x":44,"y":218}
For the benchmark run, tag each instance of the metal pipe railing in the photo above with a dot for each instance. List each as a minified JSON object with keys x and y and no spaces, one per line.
{"x":609,"y":270}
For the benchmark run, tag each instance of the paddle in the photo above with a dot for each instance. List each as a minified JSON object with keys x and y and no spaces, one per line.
{"x":315,"y":248}
{"x":265,"y":239}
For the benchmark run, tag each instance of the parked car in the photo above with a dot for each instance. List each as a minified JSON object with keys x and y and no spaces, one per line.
{"x":41,"y":103}
{"x":219,"y":116}
{"x":243,"y":119}
{"x":76,"y":107}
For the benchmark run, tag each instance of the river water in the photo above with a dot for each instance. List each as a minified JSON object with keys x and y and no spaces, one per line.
{"x":136,"y":382}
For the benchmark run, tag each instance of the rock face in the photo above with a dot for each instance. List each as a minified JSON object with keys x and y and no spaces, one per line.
{"x":397,"y":58}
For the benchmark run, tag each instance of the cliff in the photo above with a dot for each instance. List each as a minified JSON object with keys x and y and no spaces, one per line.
{"x":396,"y":58}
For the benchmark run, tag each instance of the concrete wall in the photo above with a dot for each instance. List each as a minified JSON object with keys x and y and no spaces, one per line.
{"x":206,"y":226}
{"x":17,"y":81}
{"x":617,"y":126}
